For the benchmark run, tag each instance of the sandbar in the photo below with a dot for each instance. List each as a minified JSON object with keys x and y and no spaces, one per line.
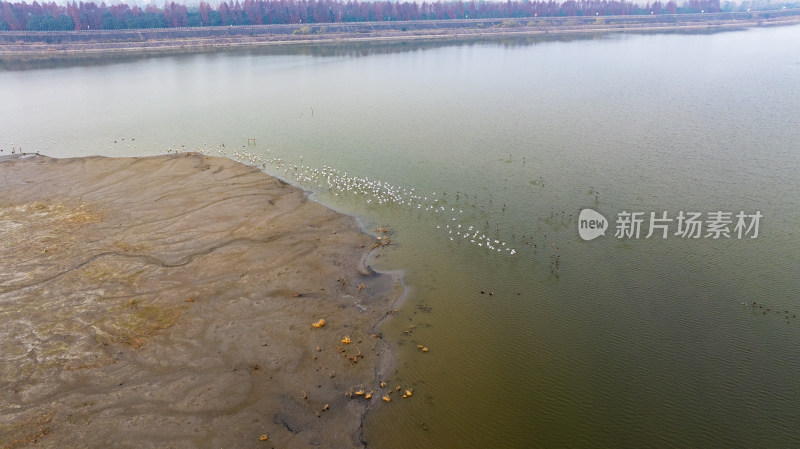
{"x":168,"y":301}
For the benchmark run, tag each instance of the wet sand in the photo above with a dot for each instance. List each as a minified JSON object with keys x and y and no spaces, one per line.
{"x":168,"y":302}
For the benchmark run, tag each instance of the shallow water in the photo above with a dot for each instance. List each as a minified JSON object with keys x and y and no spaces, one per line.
{"x":610,"y":342}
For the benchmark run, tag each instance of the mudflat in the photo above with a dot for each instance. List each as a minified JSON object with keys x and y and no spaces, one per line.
{"x":170,"y":301}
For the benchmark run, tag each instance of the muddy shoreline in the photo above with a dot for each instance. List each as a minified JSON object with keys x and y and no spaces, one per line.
{"x":168,"y":301}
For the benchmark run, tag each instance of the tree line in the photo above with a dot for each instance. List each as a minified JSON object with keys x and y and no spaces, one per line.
{"x":89,"y":16}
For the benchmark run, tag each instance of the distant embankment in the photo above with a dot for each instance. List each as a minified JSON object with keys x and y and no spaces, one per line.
{"x":48,"y":43}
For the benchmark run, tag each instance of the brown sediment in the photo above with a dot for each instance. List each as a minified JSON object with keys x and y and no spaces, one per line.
{"x":169,"y":301}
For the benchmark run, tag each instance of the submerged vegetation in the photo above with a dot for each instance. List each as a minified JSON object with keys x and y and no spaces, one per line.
{"x":21,"y":16}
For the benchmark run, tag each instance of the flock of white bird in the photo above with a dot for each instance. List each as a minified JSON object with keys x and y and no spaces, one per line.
{"x":372,"y":192}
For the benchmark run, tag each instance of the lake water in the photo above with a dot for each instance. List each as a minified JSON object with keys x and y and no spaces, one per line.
{"x":536,"y":337}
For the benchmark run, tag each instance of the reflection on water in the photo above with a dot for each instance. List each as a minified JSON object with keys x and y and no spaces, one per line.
{"x":609,"y":342}
{"x":350,"y":49}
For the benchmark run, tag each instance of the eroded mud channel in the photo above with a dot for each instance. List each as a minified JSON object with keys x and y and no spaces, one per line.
{"x":169,"y":301}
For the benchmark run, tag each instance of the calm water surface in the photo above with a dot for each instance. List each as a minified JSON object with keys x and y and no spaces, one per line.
{"x":604,"y":343}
